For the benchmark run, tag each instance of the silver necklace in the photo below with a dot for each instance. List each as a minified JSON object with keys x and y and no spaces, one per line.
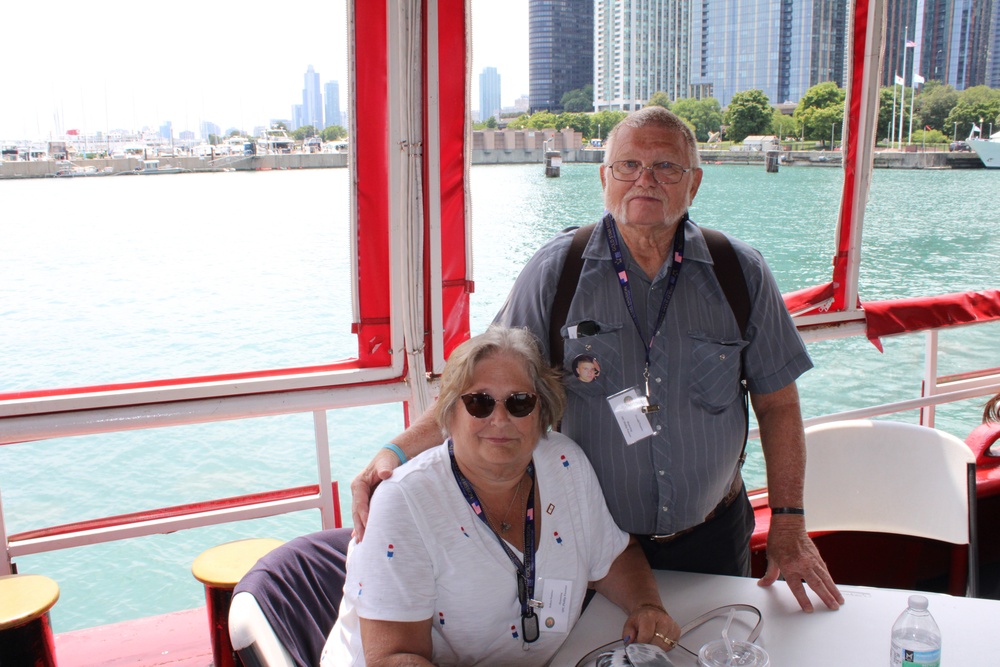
{"x":504,"y":526}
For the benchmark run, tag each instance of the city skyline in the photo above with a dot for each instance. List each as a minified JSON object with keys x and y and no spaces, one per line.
{"x":130,"y":66}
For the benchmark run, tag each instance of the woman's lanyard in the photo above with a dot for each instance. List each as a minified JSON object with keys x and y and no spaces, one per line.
{"x":526,"y":570}
{"x":618,"y":259}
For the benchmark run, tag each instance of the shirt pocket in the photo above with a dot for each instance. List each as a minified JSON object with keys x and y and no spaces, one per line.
{"x":602,"y":351}
{"x":715,"y":371}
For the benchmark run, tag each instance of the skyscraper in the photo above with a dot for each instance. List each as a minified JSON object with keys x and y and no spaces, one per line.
{"x":993,"y":60}
{"x":955,"y":40}
{"x":312,"y":101}
{"x":782,"y":47}
{"x":489,"y":93}
{"x":640,"y":47}
{"x":331,"y":90}
{"x":560,"y":51}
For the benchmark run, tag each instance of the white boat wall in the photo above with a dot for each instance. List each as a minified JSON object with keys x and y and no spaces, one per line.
{"x":988,"y":150}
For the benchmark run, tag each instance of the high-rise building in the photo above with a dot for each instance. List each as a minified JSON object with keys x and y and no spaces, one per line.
{"x":207,"y":129}
{"x":298,"y":116}
{"x":167,"y":130}
{"x":489,"y":93}
{"x":781,"y":47}
{"x":560,"y":50}
{"x":640,"y":47}
{"x":993,"y":59}
{"x":331,"y":91}
{"x":945,"y":40}
{"x":312,"y":101}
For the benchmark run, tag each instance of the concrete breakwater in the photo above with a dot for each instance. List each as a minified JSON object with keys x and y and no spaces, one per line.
{"x":132,"y":165}
{"x":519,"y":155}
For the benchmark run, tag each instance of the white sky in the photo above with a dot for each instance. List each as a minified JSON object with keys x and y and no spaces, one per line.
{"x":122,"y":64}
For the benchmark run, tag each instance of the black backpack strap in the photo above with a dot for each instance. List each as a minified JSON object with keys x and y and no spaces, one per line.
{"x":730,"y":276}
{"x":734,"y":285}
{"x":568,"y":280}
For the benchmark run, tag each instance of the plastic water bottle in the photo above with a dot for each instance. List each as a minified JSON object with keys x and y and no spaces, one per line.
{"x":916,"y":639}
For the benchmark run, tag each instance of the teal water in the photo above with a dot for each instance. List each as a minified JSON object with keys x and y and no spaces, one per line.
{"x":118,"y":279}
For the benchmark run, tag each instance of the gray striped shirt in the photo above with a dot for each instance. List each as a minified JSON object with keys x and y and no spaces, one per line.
{"x":672,"y":480}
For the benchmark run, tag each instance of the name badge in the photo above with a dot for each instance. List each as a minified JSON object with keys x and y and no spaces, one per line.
{"x":630,"y":407}
{"x":554,"y":612}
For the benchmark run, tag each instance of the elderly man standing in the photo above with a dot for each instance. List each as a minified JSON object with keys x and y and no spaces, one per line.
{"x":664,"y":422}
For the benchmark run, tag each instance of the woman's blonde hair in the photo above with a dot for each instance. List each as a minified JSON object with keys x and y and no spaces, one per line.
{"x":546,"y":381}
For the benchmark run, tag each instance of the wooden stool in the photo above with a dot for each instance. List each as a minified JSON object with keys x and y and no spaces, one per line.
{"x":220,"y":569}
{"x":25,"y":630}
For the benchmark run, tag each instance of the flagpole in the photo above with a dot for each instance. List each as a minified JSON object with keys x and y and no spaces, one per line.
{"x":913,"y":93}
{"x":902,"y":104}
{"x":892,"y":123}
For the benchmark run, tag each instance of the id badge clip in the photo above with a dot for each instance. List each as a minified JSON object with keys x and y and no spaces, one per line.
{"x":630,"y":407}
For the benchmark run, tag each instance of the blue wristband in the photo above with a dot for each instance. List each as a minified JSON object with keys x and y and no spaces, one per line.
{"x":394,"y":448}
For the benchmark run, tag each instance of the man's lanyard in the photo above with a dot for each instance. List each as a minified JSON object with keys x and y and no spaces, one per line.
{"x":525,"y":570}
{"x":618,"y":259}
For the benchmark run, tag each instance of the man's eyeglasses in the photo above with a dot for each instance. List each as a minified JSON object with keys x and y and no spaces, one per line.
{"x":665,"y":173}
{"x":481,"y":406}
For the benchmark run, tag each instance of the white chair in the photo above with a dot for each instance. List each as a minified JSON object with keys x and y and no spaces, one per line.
{"x":891,"y":477}
{"x":285,"y":606}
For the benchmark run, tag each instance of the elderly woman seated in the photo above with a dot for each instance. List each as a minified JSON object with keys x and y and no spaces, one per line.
{"x":480,"y":550}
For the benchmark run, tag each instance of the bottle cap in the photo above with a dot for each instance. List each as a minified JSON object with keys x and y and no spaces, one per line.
{"x":918,"y":602}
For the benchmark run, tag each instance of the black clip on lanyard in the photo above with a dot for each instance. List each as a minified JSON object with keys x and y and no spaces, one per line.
{"x":618,"y":259}
{"x":525,"y":571}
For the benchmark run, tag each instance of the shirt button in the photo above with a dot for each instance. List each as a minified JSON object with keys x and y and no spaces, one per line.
{"x":722,"y":357}
{"x":662,"y":472}
{"x":664,"y":508}
{"x":659,"y":380}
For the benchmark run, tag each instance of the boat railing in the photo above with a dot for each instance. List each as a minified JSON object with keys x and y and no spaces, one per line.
{"x":322,"y":495}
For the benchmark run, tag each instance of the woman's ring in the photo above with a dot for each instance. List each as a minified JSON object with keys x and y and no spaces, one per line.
{"x":666,"y":640}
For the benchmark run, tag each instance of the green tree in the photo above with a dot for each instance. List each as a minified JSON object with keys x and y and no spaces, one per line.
{"x":304,"y":132}
{"x":580,"y":122}
{"x":333,"y":132}
{"x":885,"y":114}
{"x":783,"y":125}
{"x":541,"y":120}
{"x":214,"y":139}
{"x":518,"y":123}
{"x":929,"y":137}
{"x":704,"y":115}
{"x":821,"y":110}
{"x":491,"y":122}
{"x":935,"y":101}
{"x":603,"y":121}
{"x":748,"y":113}
{"x":978,"y":105}
{"x":659,"y":99}
{"x":579,"y":100}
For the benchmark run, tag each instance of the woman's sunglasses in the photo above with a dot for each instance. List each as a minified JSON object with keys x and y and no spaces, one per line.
{"x":519,"y":404}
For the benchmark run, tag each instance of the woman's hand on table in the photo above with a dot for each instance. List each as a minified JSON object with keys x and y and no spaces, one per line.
{"x":651,"y":624}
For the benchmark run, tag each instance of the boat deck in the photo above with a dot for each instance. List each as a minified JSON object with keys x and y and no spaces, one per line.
{"x":180,"y":639}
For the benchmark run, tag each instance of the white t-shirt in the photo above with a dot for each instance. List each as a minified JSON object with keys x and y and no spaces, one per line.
{"x":427,"y":555}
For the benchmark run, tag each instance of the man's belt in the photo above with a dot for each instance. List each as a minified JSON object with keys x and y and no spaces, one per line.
{"x":734,"y":491}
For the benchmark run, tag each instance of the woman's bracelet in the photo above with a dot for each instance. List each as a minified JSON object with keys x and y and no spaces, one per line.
{"x":788,"y":510}
{"x":395,"y":449}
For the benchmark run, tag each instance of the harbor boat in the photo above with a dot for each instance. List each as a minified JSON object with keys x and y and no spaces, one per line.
{"x":411,"y":255}
{"x":152,"y":167}
{"x":275,"y":141}
{"x":988,"y":150}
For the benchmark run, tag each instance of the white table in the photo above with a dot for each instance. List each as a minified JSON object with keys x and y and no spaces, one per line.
{"x":857,"y":634}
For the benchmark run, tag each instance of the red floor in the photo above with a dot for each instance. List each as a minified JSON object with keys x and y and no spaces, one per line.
{"x":178,"y":639}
